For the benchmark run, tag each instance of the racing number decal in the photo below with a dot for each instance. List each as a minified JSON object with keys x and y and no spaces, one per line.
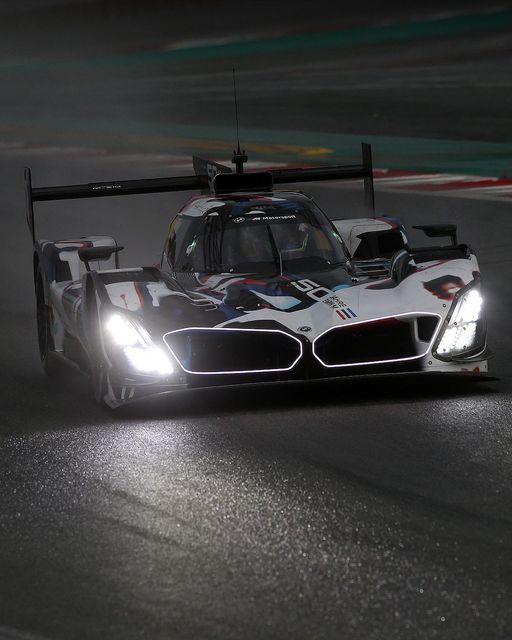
{"x":312,"y":289}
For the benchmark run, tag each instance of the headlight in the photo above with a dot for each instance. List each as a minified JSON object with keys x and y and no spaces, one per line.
{"x":136,"y":343}
{"x":464,"y":330}
{"x":149,"y":360}
{"x":124,"y":333}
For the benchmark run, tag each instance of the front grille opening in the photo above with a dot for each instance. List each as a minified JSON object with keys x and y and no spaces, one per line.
{"x":389,"y":339}
{"x":218,"y":351}
{"x":426,"y":327}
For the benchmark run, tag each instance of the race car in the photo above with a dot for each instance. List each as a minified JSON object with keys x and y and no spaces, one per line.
{"x":255,"y":284}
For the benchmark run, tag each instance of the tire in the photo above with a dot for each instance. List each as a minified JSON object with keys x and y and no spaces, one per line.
{"x":44,"y":332}
{"x":98,"y":377}
{"x":98,"y":384}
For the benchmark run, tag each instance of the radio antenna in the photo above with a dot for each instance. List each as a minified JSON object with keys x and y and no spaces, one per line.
{"x":239,"y":157}
{"x":236,"y":110}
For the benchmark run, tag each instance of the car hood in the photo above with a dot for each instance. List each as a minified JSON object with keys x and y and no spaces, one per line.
{"x":306,"y":304}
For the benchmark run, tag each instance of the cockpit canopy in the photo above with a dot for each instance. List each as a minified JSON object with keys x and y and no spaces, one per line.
{"x":254,"y":234}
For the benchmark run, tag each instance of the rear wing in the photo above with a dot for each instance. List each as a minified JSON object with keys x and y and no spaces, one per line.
{"x":102,"y":189}
{"x":210,"y":176}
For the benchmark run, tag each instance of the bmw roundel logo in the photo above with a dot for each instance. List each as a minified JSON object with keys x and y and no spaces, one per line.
{"x":238,"y":220}
{"x":304,"y":329}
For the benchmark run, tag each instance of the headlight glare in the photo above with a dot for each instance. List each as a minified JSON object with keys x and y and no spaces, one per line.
{"x":465,"y":330}
{"x":123,"y":332}
{"x":149,"y":360}
{"x":142,"y":355}
{"x":469,"y":308}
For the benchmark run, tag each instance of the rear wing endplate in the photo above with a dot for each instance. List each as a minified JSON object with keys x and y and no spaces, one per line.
{"x":206,"y":172}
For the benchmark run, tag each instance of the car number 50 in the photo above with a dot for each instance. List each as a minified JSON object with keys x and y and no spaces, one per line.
{"x":312,"y":289}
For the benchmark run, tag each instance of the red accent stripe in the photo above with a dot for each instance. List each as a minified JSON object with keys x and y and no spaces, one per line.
{"x":340,"y":314}
{"x":397,"y":173}
{"x":393,"y":225}
{"x":139,"y":293}
{"x":457,"y":184}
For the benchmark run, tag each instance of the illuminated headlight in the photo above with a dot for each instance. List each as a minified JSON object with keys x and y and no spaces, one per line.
{"x":136,"y":343}
{"x":464,"y":332}
{"x":124,"y":333}
{"x":149,"y":360}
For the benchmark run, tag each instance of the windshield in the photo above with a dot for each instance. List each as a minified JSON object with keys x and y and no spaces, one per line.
{"x":261,"y":235}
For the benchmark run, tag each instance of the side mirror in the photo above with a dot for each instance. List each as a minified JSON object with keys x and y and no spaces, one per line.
{"x":98,"y":253}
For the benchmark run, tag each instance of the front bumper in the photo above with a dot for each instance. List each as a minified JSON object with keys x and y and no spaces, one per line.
{"x":124,"y":390}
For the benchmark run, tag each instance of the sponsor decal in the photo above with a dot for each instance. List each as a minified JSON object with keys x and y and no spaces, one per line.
{"x":304,"y":329}
{"x":106,"y":187}
{"x":264,"y":218}
{"x":346,"y":314}
{"x":290,"y":216}
{"x":322,"y":294}
{"x":341,"y":307}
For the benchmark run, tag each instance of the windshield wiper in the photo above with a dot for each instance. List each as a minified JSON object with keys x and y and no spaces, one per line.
{"x":275,"y":251}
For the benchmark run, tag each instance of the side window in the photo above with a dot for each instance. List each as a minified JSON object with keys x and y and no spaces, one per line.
{"x":170,"y":247}
{"x":178,"y":232}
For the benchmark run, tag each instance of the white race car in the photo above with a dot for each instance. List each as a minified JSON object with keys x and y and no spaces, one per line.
{"x":255,"y":284}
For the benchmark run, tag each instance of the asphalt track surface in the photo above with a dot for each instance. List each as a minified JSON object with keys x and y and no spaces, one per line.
{"x":369,"y":509}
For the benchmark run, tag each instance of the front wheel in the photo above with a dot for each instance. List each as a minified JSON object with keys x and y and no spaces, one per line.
{"x":98,"y":384}
{"x":44,"y":332}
